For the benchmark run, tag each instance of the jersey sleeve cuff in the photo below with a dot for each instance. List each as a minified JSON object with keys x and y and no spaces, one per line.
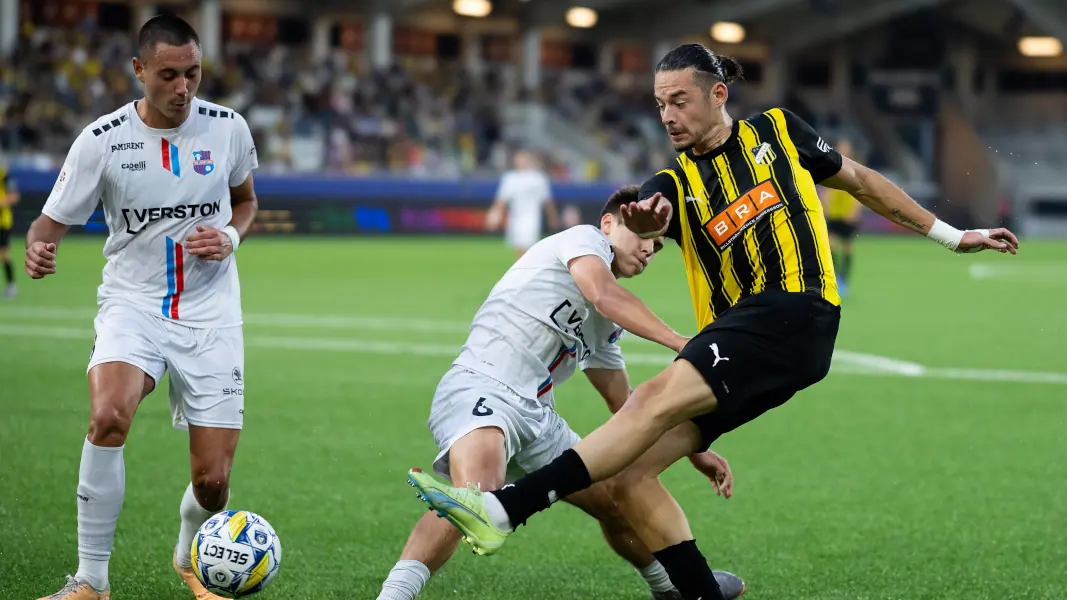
{"x":62,"y":219}
{"x":829,"y":169}
{"x":243,"y":177}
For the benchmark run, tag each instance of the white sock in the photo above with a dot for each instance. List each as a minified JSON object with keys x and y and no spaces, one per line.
{"x":656,"y":577}
{"x":497,"y":515}
{"x":405,"y":581}
{"x":193,"y":516}
{"x":101,"y":488}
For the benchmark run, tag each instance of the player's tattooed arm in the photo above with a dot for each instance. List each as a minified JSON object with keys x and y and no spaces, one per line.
{"x":908,"y":221}
{"x":882,"y":196}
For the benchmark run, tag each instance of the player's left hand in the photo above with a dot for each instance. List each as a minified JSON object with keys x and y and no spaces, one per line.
{"x":999,"y":239}
{"x":209,"y":243}
{"x":715,"y":468}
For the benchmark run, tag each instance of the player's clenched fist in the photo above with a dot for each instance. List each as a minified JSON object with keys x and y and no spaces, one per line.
{"x":40,"y":259}
{"x":209,"y":243}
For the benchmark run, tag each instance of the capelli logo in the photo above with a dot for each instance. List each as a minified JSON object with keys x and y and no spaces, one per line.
{"x":137,"y":166}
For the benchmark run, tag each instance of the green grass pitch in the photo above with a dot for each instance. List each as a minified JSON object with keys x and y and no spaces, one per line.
{"x":929,"y":464}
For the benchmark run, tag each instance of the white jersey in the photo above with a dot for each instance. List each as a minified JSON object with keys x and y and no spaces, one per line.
{"x":156,"y":186}
{"x":536,"y":325}
{"x":526,"y":192}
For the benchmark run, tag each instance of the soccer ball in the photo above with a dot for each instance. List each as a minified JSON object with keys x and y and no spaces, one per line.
{"x":236,"y":553}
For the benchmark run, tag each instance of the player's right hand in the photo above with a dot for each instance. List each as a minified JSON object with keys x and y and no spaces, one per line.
{"x":647,"y":218}
{"x":40,"y":259}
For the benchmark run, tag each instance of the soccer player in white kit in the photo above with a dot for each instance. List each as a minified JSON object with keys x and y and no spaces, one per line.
{"x":523,"y":193}
{"x":174,"y":175}
{"x":493,"y":415}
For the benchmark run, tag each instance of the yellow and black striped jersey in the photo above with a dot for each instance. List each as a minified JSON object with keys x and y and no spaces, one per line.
{"x":747,"y":215}
{"x":841,"y":206}
{"x":5,"y":210}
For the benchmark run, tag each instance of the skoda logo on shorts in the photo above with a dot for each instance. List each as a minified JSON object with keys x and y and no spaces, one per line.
{"x":237,"y":376}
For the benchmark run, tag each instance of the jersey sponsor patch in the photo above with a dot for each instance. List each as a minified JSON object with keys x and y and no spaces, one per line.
{"x":743,"y":213}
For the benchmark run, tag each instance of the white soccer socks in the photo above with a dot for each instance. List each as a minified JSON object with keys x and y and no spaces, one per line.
{"x":656,"y":577}
{"x":193,"y":516}
{"x":101,"y":488}
{"x":405,"y":581}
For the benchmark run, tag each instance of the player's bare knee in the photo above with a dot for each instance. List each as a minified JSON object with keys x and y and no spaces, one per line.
{"x":489,"y":477}
{"x":211,"y":488}
{"x":647,"y":405}
{"x":479,"y":457}
{"x":108,"y":426}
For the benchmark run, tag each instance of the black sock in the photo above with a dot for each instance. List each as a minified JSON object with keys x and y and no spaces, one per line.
{"x":9,"y":273}
{"x":538,"y":490}
{"x":846,"y":265}
{"x":689,"y":572}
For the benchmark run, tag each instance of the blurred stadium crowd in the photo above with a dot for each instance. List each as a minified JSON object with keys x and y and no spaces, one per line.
{"x":425,"y":118}
{"x":962,"y":103}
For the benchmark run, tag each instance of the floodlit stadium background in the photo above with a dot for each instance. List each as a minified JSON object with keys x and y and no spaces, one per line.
{"x":928,"y":465}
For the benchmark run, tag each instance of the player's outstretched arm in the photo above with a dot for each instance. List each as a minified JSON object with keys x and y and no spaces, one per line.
{"x":615,"y":302}
{"x":42,"y":241}
{"x":885,"y":198}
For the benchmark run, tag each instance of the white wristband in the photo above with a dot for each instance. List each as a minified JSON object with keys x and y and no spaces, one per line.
{"x":231,"y":231}
{"x":945,"y":234}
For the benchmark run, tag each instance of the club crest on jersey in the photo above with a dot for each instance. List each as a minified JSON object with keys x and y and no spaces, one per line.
{"x":202,"y":163}
{"x":763,"y":154}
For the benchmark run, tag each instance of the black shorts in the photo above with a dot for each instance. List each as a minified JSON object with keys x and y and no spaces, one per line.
{"x":839,"y":227}
{"x":5,"y":237}
{"x":760,"y":353}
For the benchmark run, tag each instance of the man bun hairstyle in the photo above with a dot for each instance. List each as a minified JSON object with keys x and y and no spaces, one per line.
{"x":710,"y":67}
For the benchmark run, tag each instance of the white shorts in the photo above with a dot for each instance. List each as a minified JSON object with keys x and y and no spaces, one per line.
{"x":523,"y":235}
{"x":207,"y":386}
{"x":534,"y":434}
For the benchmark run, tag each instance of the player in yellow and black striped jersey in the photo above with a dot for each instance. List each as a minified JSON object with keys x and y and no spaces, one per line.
{"x":741,"y":202}
{"x":8,"y":198}
{"x":843,"y":214}
{"x":749,"y":217}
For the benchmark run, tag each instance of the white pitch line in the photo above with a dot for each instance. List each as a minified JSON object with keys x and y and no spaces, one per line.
{"x":843,"y":365}
{"x":1054,"y":272}
{"x":880,"y":363}
{"x":267,"y":319}
{"x":858,"y":361}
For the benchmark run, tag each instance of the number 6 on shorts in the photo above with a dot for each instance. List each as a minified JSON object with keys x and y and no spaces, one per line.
{"x":480,"y":409}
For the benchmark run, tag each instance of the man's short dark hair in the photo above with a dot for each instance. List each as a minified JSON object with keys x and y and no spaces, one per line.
{"x":710,"y":67}
{"x":165,"y":29}
{"x":624,"y":195}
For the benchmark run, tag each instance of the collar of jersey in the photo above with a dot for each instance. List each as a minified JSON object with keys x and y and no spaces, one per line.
{"x":137,"y":122}
{"x":729,"y":143}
